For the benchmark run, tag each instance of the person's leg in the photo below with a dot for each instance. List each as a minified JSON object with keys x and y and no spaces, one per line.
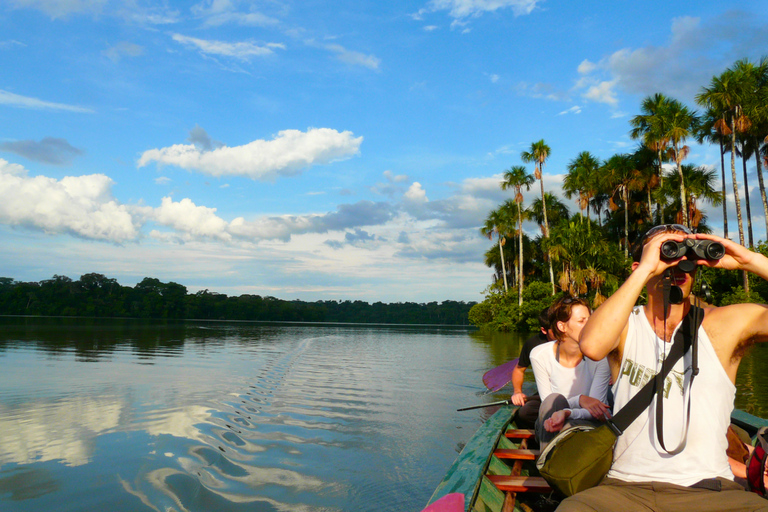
{"x":549,"y":406}
{"x":731,"y":497}
{"x":528,"y":413}
{"x":609,"y":496}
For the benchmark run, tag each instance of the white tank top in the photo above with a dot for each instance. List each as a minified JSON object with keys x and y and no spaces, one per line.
{"x":638,"y":456}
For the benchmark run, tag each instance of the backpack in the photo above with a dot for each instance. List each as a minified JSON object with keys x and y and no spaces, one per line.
{"x":756,"y":463}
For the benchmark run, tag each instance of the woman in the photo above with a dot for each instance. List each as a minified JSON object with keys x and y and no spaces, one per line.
{"x":573,"y":389}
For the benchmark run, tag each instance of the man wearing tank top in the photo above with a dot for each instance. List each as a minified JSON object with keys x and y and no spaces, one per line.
{"x":644,"y":475}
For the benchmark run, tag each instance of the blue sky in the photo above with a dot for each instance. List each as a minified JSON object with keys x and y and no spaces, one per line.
{"x":320,"y":150}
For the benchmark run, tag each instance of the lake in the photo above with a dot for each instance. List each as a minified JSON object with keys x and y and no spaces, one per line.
{"x":128,"y":415}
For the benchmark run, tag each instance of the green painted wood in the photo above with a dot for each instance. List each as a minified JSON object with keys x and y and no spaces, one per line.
{"x":497,"y":467}
{"x":747,"y":421}
{"x":465,"y":475}
{"x":489,"y":498}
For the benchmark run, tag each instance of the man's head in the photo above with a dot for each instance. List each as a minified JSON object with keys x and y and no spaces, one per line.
{"x":639,"y":245}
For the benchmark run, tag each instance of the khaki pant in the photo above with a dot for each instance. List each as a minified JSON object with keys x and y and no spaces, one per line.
{"x":616,"y":495}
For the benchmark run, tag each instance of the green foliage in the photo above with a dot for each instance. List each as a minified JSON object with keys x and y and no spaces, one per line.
{"x":501,"y":312}
{"x":95,"y":295}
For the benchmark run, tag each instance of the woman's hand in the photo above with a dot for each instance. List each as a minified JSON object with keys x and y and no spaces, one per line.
{"x":596,"y":408}
{"x":555,"y":422}
{"x":519,"y":399}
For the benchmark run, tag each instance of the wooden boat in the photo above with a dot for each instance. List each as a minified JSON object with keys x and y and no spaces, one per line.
{"x":496,"y":470}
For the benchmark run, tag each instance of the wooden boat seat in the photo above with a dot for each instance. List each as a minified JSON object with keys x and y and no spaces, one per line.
{"x":517,"y":454}
{"x":520,"y":483}
{"x":519,"y":433}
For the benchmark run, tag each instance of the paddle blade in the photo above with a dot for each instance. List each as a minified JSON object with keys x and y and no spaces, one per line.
{"x":453,"y":502}
{"x":496,"y":378}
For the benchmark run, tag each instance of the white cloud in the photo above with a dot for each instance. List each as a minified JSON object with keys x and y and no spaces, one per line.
{"x":430,"y":28}
{"x":354,"y":58}
{"x":573,"y":110}
{"x":241,"y":50}
{"x":416,"y":194}
{"x":123,"y":49}
{"x":472,"y":8}
{"x":188,"y":218}
{"x":603,"y":92}
{"x":78,"y":205}
{"x":221,"y":12}
{"x":62,"y":8}
{"x":695,"y":51}
{"x":16,"y":100}
{"x":287,"y":154}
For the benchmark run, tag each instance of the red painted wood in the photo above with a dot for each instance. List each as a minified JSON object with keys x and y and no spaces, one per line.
{"x":520,"y":483}
{"x":517,"y":454}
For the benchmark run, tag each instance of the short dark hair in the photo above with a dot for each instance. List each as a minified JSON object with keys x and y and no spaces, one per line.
{"x":544,"y":318}
{"x":561,"y":311}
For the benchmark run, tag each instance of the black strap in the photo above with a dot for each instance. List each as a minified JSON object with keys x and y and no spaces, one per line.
{"x":642,"y":399}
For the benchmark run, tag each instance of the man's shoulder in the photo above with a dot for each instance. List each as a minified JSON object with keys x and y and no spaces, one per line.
{"x":535,"y":340}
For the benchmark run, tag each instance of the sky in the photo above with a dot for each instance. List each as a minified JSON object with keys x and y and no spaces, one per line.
{"x":345,"y":150}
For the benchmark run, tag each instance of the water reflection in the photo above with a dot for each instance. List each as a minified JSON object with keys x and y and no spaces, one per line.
{"x":138,"y":416}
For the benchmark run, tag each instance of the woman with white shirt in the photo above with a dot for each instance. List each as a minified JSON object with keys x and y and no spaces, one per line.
{"x":573,"y":389}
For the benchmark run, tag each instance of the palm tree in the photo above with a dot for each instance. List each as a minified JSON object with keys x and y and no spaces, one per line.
{"x":621,"y":175}
{"x":538,"y":154}
{"x":680,"y":123}
{"x":700,"y":185}
{"x":723,"y":96}
{"x":712,"y":129}
{"x":582,"y":179}
{"x":497,"y":223}
{"x":650,"y":127}
{"x":517,"y":177}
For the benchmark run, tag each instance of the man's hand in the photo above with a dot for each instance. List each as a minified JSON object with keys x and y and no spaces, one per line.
{"x":556,"y":421}
{"x":596,"y":408}
{"x":519,"y":399}
{"x":736,"y":257}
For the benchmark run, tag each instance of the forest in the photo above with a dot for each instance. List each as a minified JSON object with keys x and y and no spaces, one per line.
{"x":587,"y":254}
{"x":95,"y":295}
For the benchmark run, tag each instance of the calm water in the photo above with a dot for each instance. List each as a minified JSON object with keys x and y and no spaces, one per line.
{"x":134,"y":416}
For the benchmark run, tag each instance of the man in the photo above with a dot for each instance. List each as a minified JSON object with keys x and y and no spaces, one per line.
{"x":529,"y":405}
{"x":695,"y":476}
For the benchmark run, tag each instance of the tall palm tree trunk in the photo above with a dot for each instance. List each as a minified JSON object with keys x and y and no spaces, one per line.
{"x":625,"y":196}
{"x":503,"y":266}
{"x":546,"y":229}
{"x":661,"y":184}
{"x":722,"y":176}
{"x":746,"y":199}
{"x":736,"y":197}
{"x":760,"y":181}
{"x":683,"y":202}
{"x":520,"y":281}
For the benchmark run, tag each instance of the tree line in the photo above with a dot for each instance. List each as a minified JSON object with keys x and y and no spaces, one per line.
{"x":95,"y":295}
{"x":587,"y":254}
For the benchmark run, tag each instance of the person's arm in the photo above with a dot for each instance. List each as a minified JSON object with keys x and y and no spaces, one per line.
{"x":606,"y":328}
{"x":518,"y":397}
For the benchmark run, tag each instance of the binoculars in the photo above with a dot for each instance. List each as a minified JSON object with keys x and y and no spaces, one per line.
{"x":692,"y":249}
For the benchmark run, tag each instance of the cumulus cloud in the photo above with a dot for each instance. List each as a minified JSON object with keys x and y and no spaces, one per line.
{"x":287,"y":154}
{"x":195,"y":221}
{"x":695,"y":51}
{"x":16,"y":100}
{"x":50,"y":150}
{"x":239,"y":50}
{"x":79,"y":205}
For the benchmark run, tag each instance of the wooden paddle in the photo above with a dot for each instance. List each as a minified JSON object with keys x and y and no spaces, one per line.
{"x":496,"y":378}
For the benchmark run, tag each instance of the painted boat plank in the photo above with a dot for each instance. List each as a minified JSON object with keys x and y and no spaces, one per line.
{"x":520,"y":483}
{"x":466,"y":473}
{"x":747,"y":421}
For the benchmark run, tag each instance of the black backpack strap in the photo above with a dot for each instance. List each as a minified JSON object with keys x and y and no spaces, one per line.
{"x":642,"y":399}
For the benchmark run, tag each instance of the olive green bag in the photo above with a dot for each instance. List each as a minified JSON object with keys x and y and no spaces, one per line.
{"x":580,"y":457}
